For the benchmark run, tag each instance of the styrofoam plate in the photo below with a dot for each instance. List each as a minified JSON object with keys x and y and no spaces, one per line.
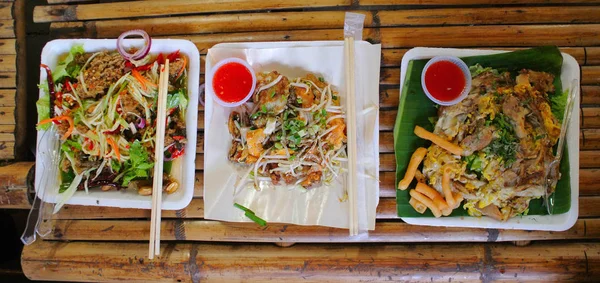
{"x":183,"y":171}
{"x":557,"y":222}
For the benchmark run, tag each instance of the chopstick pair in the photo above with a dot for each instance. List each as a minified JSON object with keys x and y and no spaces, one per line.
{"x":351,"y":133}
{"x":159,"y":145}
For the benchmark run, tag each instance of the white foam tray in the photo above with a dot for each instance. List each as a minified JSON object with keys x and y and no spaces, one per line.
{"x":184,"y":172}
{"x":558,"y":222}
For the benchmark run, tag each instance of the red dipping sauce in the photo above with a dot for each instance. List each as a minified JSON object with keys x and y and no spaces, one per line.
{"x":232,"y":82}
{"x":445,"y":81}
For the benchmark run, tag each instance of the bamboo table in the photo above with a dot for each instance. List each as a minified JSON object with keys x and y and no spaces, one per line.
{"x":97,"y":243}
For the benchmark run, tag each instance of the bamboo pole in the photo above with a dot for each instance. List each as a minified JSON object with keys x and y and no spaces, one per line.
{"x":590,"y":75}
{"x":259,"y":21}
{"x":8,"y":63}
{"x":7,"y":115}
{"x":495,"y":36}
{"x":589,"y":207}
{"x":593,"y":55}
{"x":590,"y":95}
{"x":217,"y":23}
{"x":385,"y":231}
{"x":8,"y":80}
{"x":7,"y":47}
{"x":7,"y":150}
{"x":589,"y":159}
{"x":590,"y":118}
{"x":7,"y":97}
{"x":7,"y":29}
{"x":61,"y":13}
{"x":13,"y":185}
{"x":6,"y":11}
{"x":489,"y":16}
{"x":589,"y":139}
{"x":187,"y":262}
{"x":468,"y":2}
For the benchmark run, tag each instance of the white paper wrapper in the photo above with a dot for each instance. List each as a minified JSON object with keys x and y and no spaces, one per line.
{"x":319,"y":205}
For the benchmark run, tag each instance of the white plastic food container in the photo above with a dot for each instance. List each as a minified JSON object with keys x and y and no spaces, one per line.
{"x":183,"y":169}
{"x":556,"y":222}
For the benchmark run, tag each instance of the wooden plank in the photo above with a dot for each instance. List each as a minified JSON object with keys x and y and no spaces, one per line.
{"x":7,"y":115}
{"x":7,"y":46}
{"x":6,"y":11}
{"x":8,"y":63}
{"x":203,"y":230}
{"x":7,"y":29}
{"x":590,"y":118}
{"x":590,"y":95}
{"x":489,"y":16}
{"x":22,"y":104}
{"x":198,"y":262}
{"x":495,"y":36}
{"x":8,"y":80}
{"x":7,"y":97}
{"x":206,"y":41}
{"x":327,"y":19}
{"x":7,"y":150}
{"x":590,"y":75}
{"x":61,"y":13}
{"x":589,"y":182}
{"x":216,"y":23}
{"x":7,"y":129}
{"x":589,"y":207}
{"x":592,"y":55}
{"x":589,"y":159}
{"x":590,"y":139}
{"x":468,"y":2}
{"x":13,"y":185}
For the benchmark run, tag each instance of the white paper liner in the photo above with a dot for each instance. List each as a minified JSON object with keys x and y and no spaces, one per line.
{"x":320,"y":205}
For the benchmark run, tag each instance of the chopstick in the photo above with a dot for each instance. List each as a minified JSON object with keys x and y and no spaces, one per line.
{"x":351,"y":132}
{"x":159,"y":145}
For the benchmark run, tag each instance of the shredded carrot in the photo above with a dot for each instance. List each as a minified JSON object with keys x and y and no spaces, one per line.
{"x":143,"y":81}
{"x":59,"y":118}
{"x":182,"y":68}
{"x":115,"y":147}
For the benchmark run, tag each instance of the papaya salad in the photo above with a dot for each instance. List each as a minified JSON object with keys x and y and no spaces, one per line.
{"x":103,"y":105}
{"x":293,"y":132}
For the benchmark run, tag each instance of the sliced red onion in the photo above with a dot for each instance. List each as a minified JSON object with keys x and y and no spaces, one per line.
{"x":201,"y":94}
{"x":141,"y":123}
{"x":142,"y":52}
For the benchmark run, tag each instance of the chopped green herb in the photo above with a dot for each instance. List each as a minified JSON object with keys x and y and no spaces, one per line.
{"x":299,"y":100}
{"x":321,"y":79}
{"x":292,"y":158}
{"x":250,"y":214}
{"x":272,"y":93}
{"x":335,"y":97}
{"x":506,"y":144}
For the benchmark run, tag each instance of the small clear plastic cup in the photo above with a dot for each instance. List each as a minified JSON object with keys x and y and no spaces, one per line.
{"x":209,"y":82}
{"x":461,"y":65}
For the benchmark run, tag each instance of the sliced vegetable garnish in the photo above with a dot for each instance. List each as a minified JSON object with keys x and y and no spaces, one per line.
{"x":140,"y":53}
{"x":250,"y":214}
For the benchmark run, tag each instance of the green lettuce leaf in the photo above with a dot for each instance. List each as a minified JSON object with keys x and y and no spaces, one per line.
{"x":65,"y":67}
{"x":558,"y":103}
{"x":138,"y":164}
{"x":43,"y":110}
{"x":178,"y":99}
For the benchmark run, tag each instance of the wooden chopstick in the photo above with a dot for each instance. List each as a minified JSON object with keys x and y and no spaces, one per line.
{"x":351,"y":132}
{"x":159,"y":145}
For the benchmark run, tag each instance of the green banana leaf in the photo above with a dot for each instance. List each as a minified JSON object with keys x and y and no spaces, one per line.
{"x":415,"y":109}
